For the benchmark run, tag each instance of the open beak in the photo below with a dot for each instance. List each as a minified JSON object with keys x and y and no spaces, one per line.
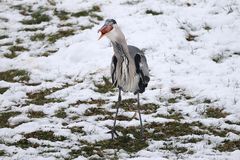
{"x":105,"y":29}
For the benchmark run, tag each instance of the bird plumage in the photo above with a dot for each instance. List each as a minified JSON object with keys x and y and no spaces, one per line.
{"x":129,"y":68}
{"x":129,"y":77}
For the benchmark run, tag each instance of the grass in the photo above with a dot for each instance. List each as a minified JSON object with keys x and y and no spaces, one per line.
{"x":52,"y":38}
{"x":171,"y":129}
{"x":4,"y":116}
{"x":96,"y":111}
{"x":3,"y":89}
{"x":87,"y":12}
{"x":15,"y":76}
{"x":10,"y":55}
{"x":176,"y":116}
{"x":104,"y":87}
{"x":130,"y":105}
{"x":16,"y":48}
{"x":62,"y":15}
{"x":36,"y":18}
{"x":173,"y":148}
{"x":32,"y":29}
{"x":3,"y":37}
{"x":76,"y":129}
{"x":124,"y":142}
{"x":86,"y":27}
{"x":2,"y":152}
{"x":48,"y":53}
{"x":191,"y":37}
{"x":98,"y":102}
{"x":207,"y":27}
{"x":148,"y":108}
{"x":228,"y":146}
{"x":172,"y":100}
{"x":39,"y":98}
{"x":218,"y":58}
{"x":45,"y":135}
{"x":154,"y":13}
{"x":23,"y":9}
{"x":38,"y":37}
{"x":215,"y":113}
{"x":192,"y":140}
{"x":24,"y":143}
{"x":61,"y":113}
{"x":36,"y":114}
{"x":6,"y":44}
{"x":94,"y":15}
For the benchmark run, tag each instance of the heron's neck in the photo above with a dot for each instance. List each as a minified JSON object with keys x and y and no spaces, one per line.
{"x":120,"y":48}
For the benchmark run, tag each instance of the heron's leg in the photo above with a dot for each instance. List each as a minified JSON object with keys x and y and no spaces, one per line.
{"x":115,"y":118}
{"x":140,"y":118}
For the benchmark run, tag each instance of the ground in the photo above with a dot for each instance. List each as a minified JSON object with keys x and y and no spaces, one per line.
{"x":57,"y":101}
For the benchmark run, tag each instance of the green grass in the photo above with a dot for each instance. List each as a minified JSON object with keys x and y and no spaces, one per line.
{"x":218,"y":58}
{"x":94,"y":15}
{"x":16,"y":48}
{"x":86,"y":27}
{"x":36,"y":114}
{"x":24,"y":143}
{"x":2,"y":152}
{"x":3,"y":37}
{"x":38,"y":37}
{"x":3,"y":89}
{"x":32,"y":29}
{"x":148,"y":108}
{"x":172,"y":100}
{"x":191,"y":37}
{"x":15,"y":76}
{"x":96,"y":111}
{"x":39,"y":98}
{"x":154,"y":13}
{"x":228,"y":146}
{"x":215,"y":113}
{"x":48,"y":53}
{"x":81,"y":14}
{"x":61,"y":113}
{"x":36,"y":18}
{"x":85,"y":13}
{"x":207,"y":27}
{"x":98,"y":102}
{"x":104,"y":87}
{"x":171,"y":129}
{"x":52,"y":38}
{"x":176,"y":116}
{"x":192,"y":140}
{"x":77,"y":130}
{"x":45,"y":135}
{"x":6,"y":44}
{"x":124,"y":142}
{"x":173,"y":148}
{"x":4,"y":116}
{"x":62,"y":15}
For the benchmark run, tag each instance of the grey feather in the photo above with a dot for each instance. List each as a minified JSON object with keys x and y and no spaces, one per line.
{"x":130,"y":79}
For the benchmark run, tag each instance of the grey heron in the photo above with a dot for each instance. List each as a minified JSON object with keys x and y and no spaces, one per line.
{"x":129,"y":68}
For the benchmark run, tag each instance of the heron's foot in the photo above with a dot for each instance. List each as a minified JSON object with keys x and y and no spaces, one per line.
{"x":113,"y":133}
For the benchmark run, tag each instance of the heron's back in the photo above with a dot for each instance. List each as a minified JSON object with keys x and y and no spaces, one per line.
{"x":130,"y":73}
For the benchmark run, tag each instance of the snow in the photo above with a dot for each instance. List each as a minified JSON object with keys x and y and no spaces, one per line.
{"x":174,"y":63}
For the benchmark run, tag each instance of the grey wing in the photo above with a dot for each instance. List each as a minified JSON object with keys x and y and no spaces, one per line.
{"x":141,"y":67}
{"x":113,"y":70}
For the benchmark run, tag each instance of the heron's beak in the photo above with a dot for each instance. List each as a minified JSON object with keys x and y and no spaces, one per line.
{"x":105,"y":29}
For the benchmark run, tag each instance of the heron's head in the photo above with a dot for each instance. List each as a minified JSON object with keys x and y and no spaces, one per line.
{"x":111,"y":30}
